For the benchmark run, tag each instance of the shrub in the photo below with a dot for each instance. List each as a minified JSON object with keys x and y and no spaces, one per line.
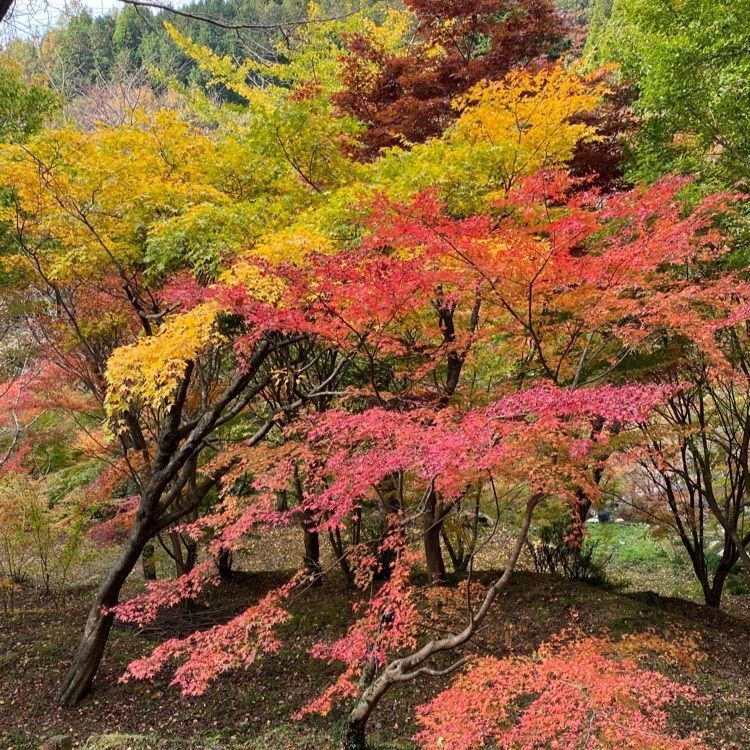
{"x":555,"y":549}
{"x":37,"y":541}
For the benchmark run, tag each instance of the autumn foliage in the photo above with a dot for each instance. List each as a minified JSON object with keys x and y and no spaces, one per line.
{"x":401,"y":284}
{"x":405,"y":95}
{"x":573,"y":692}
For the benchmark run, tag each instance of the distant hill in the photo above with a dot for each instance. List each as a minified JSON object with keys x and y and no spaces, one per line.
{"x":82,"y":51}
{"x":130,"y":44}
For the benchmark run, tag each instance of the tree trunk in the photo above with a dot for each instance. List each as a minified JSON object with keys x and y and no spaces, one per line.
{"x":462,"y":551}
{"x":148,"y":561}
{"x":224,"y":564}
{"x":457,"y":553}
{"x":312,"y":554}
{"x":712,"y":596}
{"x":713,"y":593}
{"x":337,"y":545}
{"x":390,"y":492}
{"x":407,"y":668}
{"x":88,"y":656}
{"x":433,"y":553}
{"x":355,"y":737}
{"x":184,"y":553}
{"x":432,"y":523}
{"x":170,"y":471}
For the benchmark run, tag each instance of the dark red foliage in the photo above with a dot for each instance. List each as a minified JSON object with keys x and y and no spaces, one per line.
{"x":602,"y":160}
{"x":407,"y":98}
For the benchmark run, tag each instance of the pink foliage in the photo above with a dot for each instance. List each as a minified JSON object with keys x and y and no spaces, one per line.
{"x":143,"y":609}
{"x":566,"y":280}
{"x":570,"y":695}
{"x":209,"y":653}
{"x":510,"y":437}
{"x":389,"y":623}
{"x":116,"y":528}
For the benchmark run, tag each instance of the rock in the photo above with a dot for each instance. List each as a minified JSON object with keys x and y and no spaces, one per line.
{"x":59,"y":742}
{"x":467,"y":520}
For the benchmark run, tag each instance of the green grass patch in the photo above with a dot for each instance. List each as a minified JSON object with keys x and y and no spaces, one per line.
{"x":636,"y":558}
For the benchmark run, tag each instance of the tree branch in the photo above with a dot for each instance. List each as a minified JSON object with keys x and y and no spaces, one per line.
{"x":223,"y":24}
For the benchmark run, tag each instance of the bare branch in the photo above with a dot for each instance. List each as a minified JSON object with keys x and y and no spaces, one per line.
{"x":236,"y":26}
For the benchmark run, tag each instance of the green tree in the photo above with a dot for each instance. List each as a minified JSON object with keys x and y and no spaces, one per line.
{"x":128,"y":34}
{"x":74,"y":66}
{"x":102,"y":45}
{"x":691,"y":70}
{"x":23,"y":107}
{"x":599,"y":13}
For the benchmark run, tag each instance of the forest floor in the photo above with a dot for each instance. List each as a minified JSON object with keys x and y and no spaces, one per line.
{"x":253,"y":709}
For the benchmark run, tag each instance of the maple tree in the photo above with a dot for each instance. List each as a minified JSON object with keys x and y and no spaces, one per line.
{"x":530,"y":128}
{"x":36,"y":542}
{"x":404,"y":91}
{"x":685,"y":62}
{"x":694,"y":466}
{"x":389,"y":281}
{"x":573,"y":692}
{"x":438,"y":451}
{"x":695,"y":475}
{"x":79,"y":203}
{"x":24,"y":106}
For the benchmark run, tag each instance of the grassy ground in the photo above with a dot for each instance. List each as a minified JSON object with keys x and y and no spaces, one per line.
{"x":636,"y":558}
{"x":252,"y":710}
